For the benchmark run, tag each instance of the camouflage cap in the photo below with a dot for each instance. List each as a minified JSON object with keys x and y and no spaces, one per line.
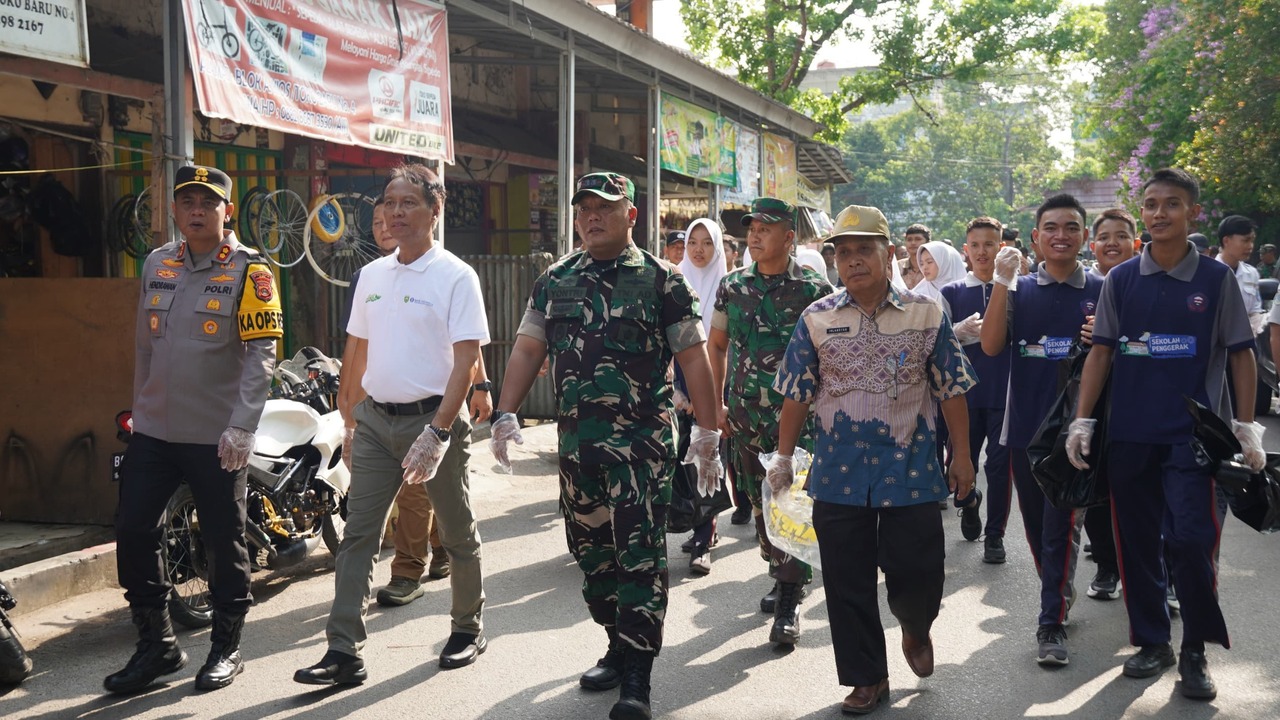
{"x":770,"y":210}
{"x":210,"y":178}
{"x":608,"y":185}
{"x":860,"y":221}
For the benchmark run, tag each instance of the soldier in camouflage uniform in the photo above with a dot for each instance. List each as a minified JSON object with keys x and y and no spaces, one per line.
{"x":756,"y":310}
{"x":612,"y":317}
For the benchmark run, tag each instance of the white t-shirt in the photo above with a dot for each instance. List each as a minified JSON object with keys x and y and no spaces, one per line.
{"x":1247,"y":278}
{"x":411,"y":315}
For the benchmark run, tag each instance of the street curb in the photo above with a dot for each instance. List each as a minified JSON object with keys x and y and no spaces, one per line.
{"x":44,"y":583}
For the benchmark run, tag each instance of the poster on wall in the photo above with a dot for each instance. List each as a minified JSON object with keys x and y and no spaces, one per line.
{"x":53,"y":30}
{"x":780,"y":172}
{"x":327,"y":70}
{"x":814,"y":196}
{"x":748,"y":160}
{"x":697,"y":142}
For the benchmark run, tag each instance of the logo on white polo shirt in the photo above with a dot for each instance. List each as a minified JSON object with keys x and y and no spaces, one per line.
{"x":410,"y":300}
{"x":373,"y":297}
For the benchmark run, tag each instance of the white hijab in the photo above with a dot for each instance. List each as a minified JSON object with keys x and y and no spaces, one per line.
{"x":705,"y":281}
{"x":950,"y":268}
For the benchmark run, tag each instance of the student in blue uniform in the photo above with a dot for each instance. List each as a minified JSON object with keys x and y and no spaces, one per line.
{"x":1038,"y":318}
{"x":1173,"y":319}
{"x":1114,"y":240}
{"x":966,"y":300}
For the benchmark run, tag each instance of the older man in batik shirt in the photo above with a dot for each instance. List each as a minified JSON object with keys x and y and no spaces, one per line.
{"x":875,"y":364}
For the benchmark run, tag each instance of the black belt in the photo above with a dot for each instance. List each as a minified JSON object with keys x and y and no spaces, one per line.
{"x":421,"y":407}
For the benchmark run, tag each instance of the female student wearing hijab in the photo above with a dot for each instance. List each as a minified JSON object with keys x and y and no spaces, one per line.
{"x":703,"y":266}
{"x":941,"y":264}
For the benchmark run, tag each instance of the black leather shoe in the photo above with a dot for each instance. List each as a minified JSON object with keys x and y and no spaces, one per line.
{"x":1150,"y":661}
{"x":741,"y":516}
{"x":769,"y":602}
{"x":219,"y":671}
{"x":786,"y":616}
{"x":335,"y":668}
{"x":158,"y":653}
{"x":461,"y":650}
{"x":607,"y":674}
{"x":1196,"y":683}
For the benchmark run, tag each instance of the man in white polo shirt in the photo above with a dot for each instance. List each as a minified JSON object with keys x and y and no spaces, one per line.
{"x":418,"y":322}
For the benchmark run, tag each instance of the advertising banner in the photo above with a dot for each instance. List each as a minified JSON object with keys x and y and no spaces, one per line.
{"x":49,"y":30}
{"x":814,"y":196}
{"x":780,"y":173}
{"x":697,"y":142}
{"x":748,"y":161}
{"x":327,"y":70}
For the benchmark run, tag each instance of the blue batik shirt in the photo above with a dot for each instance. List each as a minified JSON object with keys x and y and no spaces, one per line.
{"x":874,"y":383}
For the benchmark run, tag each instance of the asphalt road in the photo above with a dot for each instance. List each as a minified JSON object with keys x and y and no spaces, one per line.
{"x":716,"y":662}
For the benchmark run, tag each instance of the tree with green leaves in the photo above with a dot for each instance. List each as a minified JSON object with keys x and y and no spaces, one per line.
{"x":770,"y":44}
{"x":984,"y":150}
{"x":1194,"y":83}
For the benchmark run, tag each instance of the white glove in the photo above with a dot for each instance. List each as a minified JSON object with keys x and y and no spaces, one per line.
{"x":1258,"y":321}
{"x":504,"y":430}
{"x":348,"y":440}
{"x":234,"y":447}
{"x":681,"y":401}
{"x":1008,"y":263}
{"x":424,"y":457}
{"x":969,"y":330}
{"x":704,"y":451}
{"x":1079,"y":433}
{"x":1250,"y":437}
{"x":779,"y":472}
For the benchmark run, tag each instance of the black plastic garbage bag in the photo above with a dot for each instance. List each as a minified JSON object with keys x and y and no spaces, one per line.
{"x":1254,"y":498}
{"x":1064,"y":486}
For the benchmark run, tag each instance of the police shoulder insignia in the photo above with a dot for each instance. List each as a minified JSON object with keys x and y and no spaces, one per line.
{"x":224,"y":252}
{"x":261,"y":280}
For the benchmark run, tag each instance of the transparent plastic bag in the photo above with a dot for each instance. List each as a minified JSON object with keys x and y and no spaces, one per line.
{"x":788,"y":517}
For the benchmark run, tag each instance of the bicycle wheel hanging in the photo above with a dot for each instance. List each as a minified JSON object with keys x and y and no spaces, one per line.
{"x":339,"y":236}
{"x":115,"y":238}
{"x":282,"y":222}
{"x":250,"y":210}
{"x":142,"y":215}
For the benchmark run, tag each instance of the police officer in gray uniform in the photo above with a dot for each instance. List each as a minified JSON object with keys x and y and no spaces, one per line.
{"x":208,"y":321}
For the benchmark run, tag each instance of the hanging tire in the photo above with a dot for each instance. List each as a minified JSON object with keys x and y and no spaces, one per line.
{"x":186,"y":564}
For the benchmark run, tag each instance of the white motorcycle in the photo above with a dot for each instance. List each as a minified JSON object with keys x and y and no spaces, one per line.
{"x":297,"y":486}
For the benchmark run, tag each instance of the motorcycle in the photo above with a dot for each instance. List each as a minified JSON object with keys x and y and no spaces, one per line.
{"x":15,"y":665}
{"x":297,"y":486}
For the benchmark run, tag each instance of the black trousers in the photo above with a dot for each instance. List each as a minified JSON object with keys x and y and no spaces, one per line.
{"x":151,"y":471}
{"x":907,"y":543}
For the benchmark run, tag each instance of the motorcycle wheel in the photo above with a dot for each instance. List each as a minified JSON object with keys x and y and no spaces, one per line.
{"x":186,"y":563}
{"x":15,"y":664}
{"x":331,"y":531}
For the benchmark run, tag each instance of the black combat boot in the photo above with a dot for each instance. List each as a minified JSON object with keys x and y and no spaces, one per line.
{"x":158,"y":653}
{"x":634,"y":701}
{"x":607,"y":674}
{"x":223,"y":664}
{"x":786,"y":616}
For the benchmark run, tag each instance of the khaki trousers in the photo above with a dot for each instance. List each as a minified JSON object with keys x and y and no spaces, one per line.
{"x":381,"y":442}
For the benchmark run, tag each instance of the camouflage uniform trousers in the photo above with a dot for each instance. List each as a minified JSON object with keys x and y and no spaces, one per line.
{"x":616,"y":524}
{"x":744,"y":451}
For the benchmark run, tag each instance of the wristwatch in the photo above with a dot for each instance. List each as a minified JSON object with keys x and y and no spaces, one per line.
{"x":441,"y":433}
{"x":486,"y":386}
